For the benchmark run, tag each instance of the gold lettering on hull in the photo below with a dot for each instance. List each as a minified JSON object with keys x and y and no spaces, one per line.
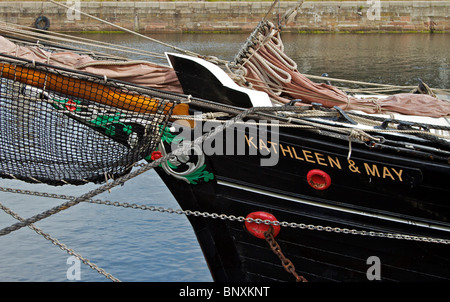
{"x":332,"y":161}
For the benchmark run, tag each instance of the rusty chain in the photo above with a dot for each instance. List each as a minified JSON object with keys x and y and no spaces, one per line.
{"x":294,"y":225}
{"x":287,"y":264}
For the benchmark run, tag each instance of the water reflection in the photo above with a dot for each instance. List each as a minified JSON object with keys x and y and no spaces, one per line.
{"x":443,"y":72}
{"x":384,"y":58}
{"x":398,"y":59}
{"x":136,"y":246}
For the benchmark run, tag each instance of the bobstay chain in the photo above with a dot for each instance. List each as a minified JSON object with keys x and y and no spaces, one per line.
{"x":247,"y":219}
{"x":267,"y":232}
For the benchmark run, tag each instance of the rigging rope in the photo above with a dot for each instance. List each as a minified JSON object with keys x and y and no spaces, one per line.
{"x":275,"y":77}
{"x":127,"y":30}
{"x":123,"y":179}
{"x":58,"y":243}
{"x":51,"y":38}
{"x":276,"y":46}
{"x":262,"y":64}
{"x":149,"y":166}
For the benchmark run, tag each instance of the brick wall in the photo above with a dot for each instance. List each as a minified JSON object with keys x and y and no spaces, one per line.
{"x":346,"y":16}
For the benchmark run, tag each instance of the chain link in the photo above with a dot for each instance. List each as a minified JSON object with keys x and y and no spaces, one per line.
{"x":60,"y":245}
{"x":293,"y":225}
{"x":287,"y":264}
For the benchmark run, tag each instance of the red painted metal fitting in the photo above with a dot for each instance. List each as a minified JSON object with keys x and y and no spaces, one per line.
{"x":258,"y":229}
{"x":318,"y":179}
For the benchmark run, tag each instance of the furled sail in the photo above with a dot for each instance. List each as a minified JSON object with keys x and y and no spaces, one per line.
{"x":263,"y":63}
{"x":137,"y":72}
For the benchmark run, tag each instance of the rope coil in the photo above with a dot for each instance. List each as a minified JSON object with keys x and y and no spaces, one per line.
{"x":275,"y":76}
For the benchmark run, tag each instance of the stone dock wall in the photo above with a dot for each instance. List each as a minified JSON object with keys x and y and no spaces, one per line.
{"x":238,"y":16}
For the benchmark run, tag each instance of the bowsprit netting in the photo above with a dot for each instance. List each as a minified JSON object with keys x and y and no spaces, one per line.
{"x":58,"y":126}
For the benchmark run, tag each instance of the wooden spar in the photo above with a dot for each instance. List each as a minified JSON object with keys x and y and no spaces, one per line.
{"x":83,"y":89}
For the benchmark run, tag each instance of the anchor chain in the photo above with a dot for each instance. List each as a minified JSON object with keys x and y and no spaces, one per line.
{"x":294,"y":225}
{"x":287,"y":264}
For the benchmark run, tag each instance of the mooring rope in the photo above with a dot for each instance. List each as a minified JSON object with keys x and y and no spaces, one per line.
{"x":127,"y":30}
{"x":61,"y":40}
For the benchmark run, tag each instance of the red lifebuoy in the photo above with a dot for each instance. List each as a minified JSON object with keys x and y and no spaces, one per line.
{"x":258,"y":229}
{"x":318,"y":179}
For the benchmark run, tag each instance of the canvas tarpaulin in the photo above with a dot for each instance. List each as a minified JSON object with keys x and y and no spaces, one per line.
{"x":137,"y":72}
{"x":265,"y":65}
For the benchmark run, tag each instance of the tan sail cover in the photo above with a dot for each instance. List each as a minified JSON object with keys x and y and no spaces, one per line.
{"x":269,"y":69}
{"x":137,"y":72}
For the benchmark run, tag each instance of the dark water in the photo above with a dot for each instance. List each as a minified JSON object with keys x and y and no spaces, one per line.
{"x":137,"y":245}
{"x":380,"y":58}
{"x":398,"y":59}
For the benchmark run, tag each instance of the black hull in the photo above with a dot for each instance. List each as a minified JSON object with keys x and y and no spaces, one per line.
{"x":415,"y":203}
{"x":396,"y":185}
